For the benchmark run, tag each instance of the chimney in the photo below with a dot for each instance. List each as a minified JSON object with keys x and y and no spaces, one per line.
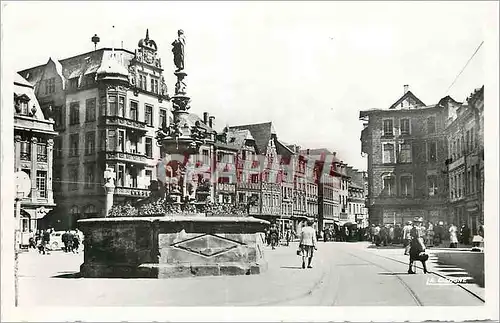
{"x":211,"y":121}
{"x":406,"y":88}
{"x":205,"y":118}
{"x":334,"y":153}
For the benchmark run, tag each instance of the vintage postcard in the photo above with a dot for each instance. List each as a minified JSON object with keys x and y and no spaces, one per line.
{"x":323,"y":161}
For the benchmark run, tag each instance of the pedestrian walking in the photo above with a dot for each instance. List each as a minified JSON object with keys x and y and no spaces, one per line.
{"x":453,"y":236}
{"x":417,"y":246}
{"x":407,"y":237}
{"x":64,"y":239}
{"x":70,"y":241}
{"x":307,"y":244}
{"x":76,"y":241}
{"x":376,"y":235}
{"x":273,"y":236}
{"x":430,"y":234}
{"x":45,"y":242}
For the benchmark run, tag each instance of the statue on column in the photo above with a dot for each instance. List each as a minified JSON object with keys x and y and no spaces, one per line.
{"x":178,"y":50}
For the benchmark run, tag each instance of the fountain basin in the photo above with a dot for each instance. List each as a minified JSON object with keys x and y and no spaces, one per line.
{"x":172,"y":246}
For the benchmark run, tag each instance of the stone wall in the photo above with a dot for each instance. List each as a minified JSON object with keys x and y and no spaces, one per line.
{"x":162,"y":247}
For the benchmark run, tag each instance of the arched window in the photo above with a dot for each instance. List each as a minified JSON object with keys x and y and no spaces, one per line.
{"x":389,"y":185}
{"x":74,"y":211}
{"x":90,"y":211}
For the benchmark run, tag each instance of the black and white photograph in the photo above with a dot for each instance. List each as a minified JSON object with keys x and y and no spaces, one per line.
{"x":323,"y":161}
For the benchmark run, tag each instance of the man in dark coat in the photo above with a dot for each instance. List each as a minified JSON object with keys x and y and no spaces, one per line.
{"x":64,"y":239}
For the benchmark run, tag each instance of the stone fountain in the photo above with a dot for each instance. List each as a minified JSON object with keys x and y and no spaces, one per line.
{"x":168,"y":234}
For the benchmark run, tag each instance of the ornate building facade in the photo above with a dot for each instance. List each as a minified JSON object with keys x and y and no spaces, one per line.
{"x":464,"y":134}
{"x":107,"y":105}
{"x":33,"y":150}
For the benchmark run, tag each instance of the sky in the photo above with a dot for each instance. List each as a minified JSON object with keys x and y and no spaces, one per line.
{"x":307,"y":67}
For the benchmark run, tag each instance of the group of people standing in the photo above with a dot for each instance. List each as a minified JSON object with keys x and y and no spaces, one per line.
{"x":274,"y":235}
{"x":388,"y":234}
{"x":71,"y":240}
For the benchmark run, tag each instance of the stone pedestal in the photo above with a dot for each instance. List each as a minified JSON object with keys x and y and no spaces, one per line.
{"x":177,"y":246}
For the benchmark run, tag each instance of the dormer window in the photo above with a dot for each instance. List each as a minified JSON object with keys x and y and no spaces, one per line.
{"x":73,"y":83}
{"x":21,"y":104}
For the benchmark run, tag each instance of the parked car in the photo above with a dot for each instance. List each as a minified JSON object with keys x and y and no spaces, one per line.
{"x":56,"y":240}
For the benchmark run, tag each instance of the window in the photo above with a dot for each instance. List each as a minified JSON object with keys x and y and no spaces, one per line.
{"x":154,"y":85}
{"x":74,"y":144}
{"x":254,"y":178}
{"x":148,"y":115}
{"x":389,"y":189}
{"x":102,"y":106}
{"x":50,"y":85}
{"x":452,"y":187}
{"x":102,"y":139}
{"x":405,"y":153}
{"x":388,"y":127}
{"x":406,"y":186}
{"x":432,"y":185}
{"x":73,"y":178}
{"x":388,"y":156}
{"x":75,"y":212}
{"x":90,"y":143}
{"x":143,"y":82}
{"x":121,"y":175}
{"x":133,"y":146}
{"x":58,"y":147}
{"x":90,"y":106}
{"x":41,"y":151}
{"x":405,"y":126}
{"x":113,"y":107}
{"x":432,"y":151}
{"x":467,"y":138}
{"x":25,"y":149}
{"x":89,"y":79}
{"x":41,"y":183}
{"x":149,"y":177}
{"x":473,"y":179}
{"x":121,"y":106}
{"x":134,"y":114}
{"x":133,"y":177}
{"x":89,"y":175}
{"x":90,"y":211}
{"x":74,"y":113}
{"x":459,"y":148}
{"x":163,"y":118}
{"x":121,"y":140}
{"x":460,"y":184}
{"x":469,"y":182}
{"x":73,"y":83}
{"x":149,"y":147}
{"x":206,"y":159}
{"x":431,"y":125}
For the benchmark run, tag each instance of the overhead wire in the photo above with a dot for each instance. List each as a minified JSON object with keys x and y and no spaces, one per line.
{"x":465,"y":66}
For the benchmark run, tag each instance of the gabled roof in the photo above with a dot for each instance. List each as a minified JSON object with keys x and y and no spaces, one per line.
{"x":261,"y":132}
{"x":283,"y":149}
{"x":447,"y":99}
{"x":78,"y":66}
{"x":193,"y":118}
{"x":19,"y":80}
{"x":407,"y":95}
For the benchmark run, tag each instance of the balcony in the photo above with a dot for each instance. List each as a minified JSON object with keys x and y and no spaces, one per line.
{"x":249,"y":186}
{"x":226,"y":187}
{"x":123,"y":122}
{"x":132,"y":191}
{"x":126,"y":157}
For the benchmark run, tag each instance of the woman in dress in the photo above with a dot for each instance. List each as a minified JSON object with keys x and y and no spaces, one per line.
{"x":417,"y":247}
{"x":453,"y":236}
